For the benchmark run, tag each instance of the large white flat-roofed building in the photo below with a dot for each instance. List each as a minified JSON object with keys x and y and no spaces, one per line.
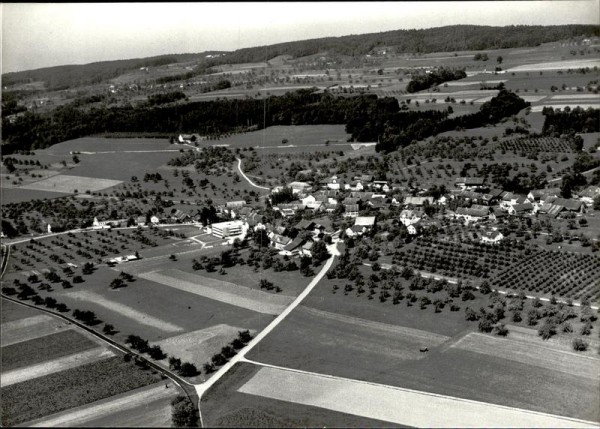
{"x":227,"y":229}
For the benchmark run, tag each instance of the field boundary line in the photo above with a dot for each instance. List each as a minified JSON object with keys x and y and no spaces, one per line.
{"x":402,"y":389}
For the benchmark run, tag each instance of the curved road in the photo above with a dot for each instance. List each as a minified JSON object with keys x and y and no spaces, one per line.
{"x":239,"y":167}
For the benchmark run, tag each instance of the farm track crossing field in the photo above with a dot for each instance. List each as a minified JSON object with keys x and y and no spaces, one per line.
{"x":144,"y":407}
{"x":54,"y":366}
{"x":67,"y":389}
{"x":230,"y":293}
{"x":68,"y":184}
{"x":30,"y":328}
{"x":44,"y":348}
{"x":124,"y":310}
{"x":392,"y":404}
{"x":531,"y":352}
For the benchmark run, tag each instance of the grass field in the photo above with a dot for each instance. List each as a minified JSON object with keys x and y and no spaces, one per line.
{"x":18,"y":195}
{"x":42,"y":349}
{"x":298,"y":136}
{"x":11,"y":312}
{"x":69,"y":184}
{"x":46,"y":395}
{"x":222,"y":291}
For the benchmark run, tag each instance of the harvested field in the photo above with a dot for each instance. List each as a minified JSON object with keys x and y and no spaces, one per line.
{"x":224,"y":406}
{"x":124,"y":310}
{"x":68,"y":184}
{"x":32,"y":399}
{"x":143,"y":407}
{"x":199,"y":346}
{"x":555,"y":65}
{"x":54,"y":366}
{"x":53,"y":346}
{"x":218,"y":290}
{"x":30,"y":328}
{"x":393,"y":404}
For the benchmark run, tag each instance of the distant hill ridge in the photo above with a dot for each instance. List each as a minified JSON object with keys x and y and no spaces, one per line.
{"x":439,"y":39}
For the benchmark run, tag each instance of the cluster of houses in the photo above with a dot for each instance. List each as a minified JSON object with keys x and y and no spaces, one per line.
{"x":360,"y":200}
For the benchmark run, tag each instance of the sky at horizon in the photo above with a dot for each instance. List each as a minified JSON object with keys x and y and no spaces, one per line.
{"x":36,"y":35}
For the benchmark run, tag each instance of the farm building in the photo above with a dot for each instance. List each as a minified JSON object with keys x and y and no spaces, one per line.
{"x":227,"y":229}
{"x":520,"y":209}
{"x":279,"y":241}
{"x":97,"y":224}
{"x":300,"y":187}
{"x":235,"y":204}
{"x":417,"y":201}
{"x":409,"y":217}
{"x":588,"y":195}
{"x":491,"y":237}
{"x":474,"y":213}
{"x":350,"y":210}
{"x":368,"y":221}
{"x":569,"y":205}
{"x":469,"y":182}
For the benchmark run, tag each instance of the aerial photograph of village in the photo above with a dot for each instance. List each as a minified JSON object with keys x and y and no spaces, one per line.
{"x":338,"y":214}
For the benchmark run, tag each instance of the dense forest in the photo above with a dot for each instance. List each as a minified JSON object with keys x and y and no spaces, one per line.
{"x":367,"y":118}
{"x":441,"y":39}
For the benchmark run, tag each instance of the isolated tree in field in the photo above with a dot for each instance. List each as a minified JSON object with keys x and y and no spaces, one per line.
{"x":117,"y":283}
{"x":499,"y":60}
{"x":188,"y":370}
{"x":77,"y":279}
{"x":580,"y":345}
{"x":183,"y":413}
{"x":156,"y":352}
{"x":108,"y":329}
